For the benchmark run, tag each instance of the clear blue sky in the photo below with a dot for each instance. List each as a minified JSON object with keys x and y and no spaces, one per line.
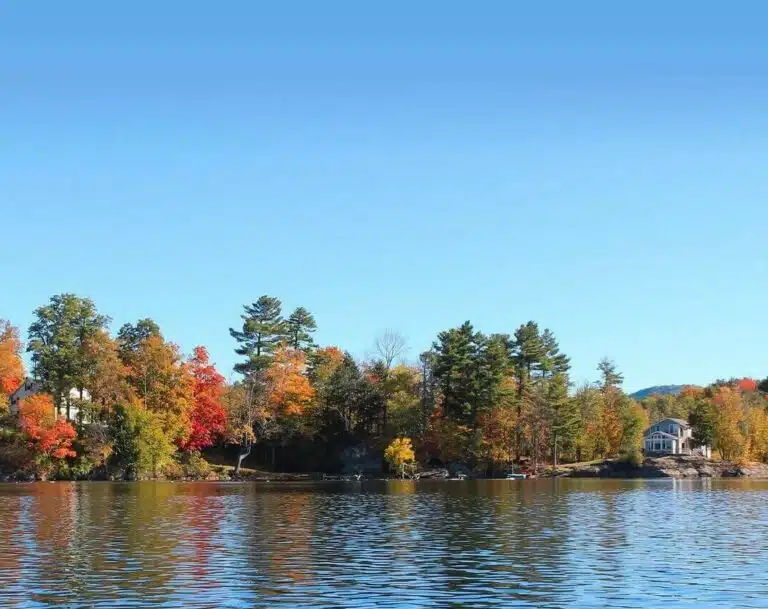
{"x":600,"y":168}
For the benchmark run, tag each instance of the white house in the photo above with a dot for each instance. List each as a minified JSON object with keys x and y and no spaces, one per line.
{"x":672,"y":437}
{"x":31,"y":386}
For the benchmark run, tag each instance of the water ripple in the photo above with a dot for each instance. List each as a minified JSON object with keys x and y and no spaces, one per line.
{"x":543,"y":543}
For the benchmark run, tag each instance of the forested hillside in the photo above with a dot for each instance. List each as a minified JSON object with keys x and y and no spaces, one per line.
{"x":485,"y":400}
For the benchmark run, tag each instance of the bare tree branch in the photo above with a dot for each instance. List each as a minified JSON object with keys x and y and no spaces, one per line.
{"x":390,"y":346}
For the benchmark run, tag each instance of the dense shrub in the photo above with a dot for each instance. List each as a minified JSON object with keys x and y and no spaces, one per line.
{"x":196,"y":467}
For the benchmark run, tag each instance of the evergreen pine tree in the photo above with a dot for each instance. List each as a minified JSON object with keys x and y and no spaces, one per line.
{"x":263,"y":330}
{"x":611,"y":377}
{"x":299,"y":328}
{"x":554,"y":362}
{"x":491,"y":366}
{"x":455,"y":370}
{"x":528,"y":355}
{"x":565,"y":415}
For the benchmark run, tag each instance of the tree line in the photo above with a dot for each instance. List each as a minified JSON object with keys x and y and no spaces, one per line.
{"x":131,"y":405}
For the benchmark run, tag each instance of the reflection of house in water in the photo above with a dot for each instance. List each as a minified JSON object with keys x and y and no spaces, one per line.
{"x":32,"y":386}
{"x":672,"y":437}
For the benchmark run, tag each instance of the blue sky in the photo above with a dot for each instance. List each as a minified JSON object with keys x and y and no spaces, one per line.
{"x":599,"y":168}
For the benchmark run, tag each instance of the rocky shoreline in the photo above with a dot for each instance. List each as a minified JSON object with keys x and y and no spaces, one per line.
{"x":671,"y":466}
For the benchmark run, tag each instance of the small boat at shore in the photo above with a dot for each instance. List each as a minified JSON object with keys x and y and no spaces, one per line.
{"x":514,"y":476}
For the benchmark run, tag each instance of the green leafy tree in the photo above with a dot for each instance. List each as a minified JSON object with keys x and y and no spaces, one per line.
{"x":140,"y":445}
{"x":262,"y":332}
{"x":340,"y":395}
{"x":130,"y":337}
{"x":703,"y":420}
{"x":58,"y":341}
{"x":403,"y":402}
{"x":634,"y":421}
{"x":299,"y":328}
{"x":588,"y":401}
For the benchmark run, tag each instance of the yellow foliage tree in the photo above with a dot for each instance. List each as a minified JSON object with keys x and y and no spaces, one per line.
{"x":729,"y":437}
{"x":163,"y":385}
{"x":757,"y":434}
{"x":607,"y":430}
{"x":399,"y":453}
{"x":498,"y":427}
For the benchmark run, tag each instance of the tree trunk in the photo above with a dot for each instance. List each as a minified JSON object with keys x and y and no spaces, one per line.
{"x":554,"y":451}
{"x":245,"y":451}
{"x":384,"y":417}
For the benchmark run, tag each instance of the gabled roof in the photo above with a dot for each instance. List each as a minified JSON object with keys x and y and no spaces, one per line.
{"x":680,"y":422}
{"x":661,"y":433}
{"x":23,"y":387}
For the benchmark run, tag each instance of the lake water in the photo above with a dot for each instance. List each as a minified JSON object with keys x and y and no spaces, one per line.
{"x":538,"y":543}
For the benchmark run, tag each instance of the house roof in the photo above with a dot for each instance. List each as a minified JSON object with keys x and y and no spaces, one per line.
{"x":23,"y":387}
{"x":681,"y":422}
{"x":661,"y":433}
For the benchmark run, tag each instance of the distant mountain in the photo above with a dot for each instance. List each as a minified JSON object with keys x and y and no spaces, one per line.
{"x":658,"y":389}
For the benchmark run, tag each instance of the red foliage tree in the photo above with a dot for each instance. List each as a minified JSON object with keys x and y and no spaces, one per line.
{"x":746,"y":384}
{"x":46,"y":435}
{"x":208,"y":418}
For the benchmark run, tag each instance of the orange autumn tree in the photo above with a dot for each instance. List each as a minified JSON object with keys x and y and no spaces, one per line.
{"x":207,"y":417}
{"x":11,"y":364}
{"x":48,"y":437}
{"x":324,"y":362}
{"x":107,"y":376}
{"x":289,"y":391}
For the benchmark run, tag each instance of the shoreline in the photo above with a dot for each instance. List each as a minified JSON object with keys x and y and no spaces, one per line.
{"x":670,"y":466}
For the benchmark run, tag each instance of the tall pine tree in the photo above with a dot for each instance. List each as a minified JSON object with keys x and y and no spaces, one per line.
{"x":553,"y":362}
{"x":492,"y":365}
{"x":610,"y":377}
{"x":299,"y":328}
{"x":527,"y":357}
{"x":455,"y":370}
{"x":565,"y":416}
{"x":263,"y":330}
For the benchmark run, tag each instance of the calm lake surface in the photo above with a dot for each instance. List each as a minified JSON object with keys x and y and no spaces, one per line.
{"x":539,"y":543}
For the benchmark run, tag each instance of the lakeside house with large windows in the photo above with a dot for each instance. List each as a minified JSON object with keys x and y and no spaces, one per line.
{"x":672,"y":437}
{"x":31,"y":386}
